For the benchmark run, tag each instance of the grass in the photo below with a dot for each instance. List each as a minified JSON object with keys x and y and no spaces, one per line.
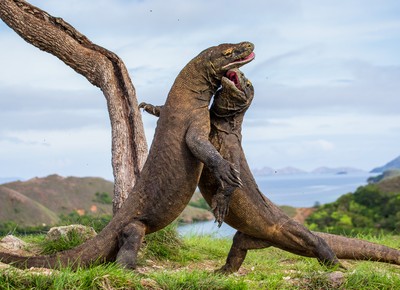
{"x":71,"y":240}
{"x":163,"y":244}
{"x":168,"y":262}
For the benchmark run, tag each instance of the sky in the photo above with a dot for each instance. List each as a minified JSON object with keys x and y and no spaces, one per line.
{"x":326,"y":78}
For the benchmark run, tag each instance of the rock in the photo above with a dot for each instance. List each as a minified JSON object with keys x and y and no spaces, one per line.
{"x":11,"y":243}
{"x":336,"y":279}
{"x":56,"y":233}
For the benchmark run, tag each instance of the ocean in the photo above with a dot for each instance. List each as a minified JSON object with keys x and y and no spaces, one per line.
{"x":304,"y":190}
{"x":298,"y":190}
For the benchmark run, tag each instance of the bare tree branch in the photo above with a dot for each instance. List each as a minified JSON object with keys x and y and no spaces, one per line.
{"x":103,"y":69}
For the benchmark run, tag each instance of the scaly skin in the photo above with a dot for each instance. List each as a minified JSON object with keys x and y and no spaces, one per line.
{"x":259,"y":222}
{"x":172,"y":170}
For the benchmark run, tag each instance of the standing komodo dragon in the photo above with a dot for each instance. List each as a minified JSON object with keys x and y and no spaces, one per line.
{"x":172,"y":170}
{"x":259,"y":222}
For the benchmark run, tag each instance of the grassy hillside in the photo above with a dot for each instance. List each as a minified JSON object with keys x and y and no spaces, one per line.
{"x":371,"y":208}
{"x":21,"y":209}
{"x":391,"y":183}
{"x":41,"y":201}
{"x":66,"y":194}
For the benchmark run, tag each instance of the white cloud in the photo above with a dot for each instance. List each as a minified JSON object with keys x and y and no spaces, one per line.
{"x":322,"y":144}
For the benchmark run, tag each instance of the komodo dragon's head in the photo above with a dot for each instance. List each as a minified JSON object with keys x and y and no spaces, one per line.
{"x":235,"y":95}
{"x":219,"y":59}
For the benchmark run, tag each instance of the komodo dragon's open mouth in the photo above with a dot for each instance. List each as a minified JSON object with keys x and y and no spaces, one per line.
{"x":241,"y":61}
{"x":233,"y":77}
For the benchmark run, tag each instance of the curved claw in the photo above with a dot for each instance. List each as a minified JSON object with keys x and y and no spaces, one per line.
{"x":227,"y":173}
{"x":220,"y":205}
{"x":221,"y":214}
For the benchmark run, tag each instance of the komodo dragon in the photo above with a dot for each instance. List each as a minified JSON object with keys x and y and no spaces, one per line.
{"x":172,"y":170}
{"x":259,"y":222}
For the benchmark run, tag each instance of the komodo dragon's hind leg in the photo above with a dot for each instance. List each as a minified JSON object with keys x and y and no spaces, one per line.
{"x":314,"y":247}
{"x":130,"y":240}
{"x":241,"y":244}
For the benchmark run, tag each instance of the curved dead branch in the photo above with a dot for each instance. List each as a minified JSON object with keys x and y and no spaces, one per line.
{"x":103,"y":69}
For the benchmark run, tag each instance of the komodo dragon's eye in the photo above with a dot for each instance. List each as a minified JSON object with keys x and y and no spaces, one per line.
{"x":227,"y":52}
{"x":248,"y":83}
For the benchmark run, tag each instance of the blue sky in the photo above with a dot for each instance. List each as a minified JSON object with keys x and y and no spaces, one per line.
{"x":326,"y":78}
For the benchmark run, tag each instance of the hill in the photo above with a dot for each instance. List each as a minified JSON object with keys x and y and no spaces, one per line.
{"x":21,"y":209}
{"x":390,"y":184}
{"x":371,"y":208}
{"x":41,"y":201}
{"x":394,"y":164}
{"x":385,"y":175}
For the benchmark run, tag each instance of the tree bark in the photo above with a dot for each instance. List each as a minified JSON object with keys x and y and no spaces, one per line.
{"x":103,"y":69}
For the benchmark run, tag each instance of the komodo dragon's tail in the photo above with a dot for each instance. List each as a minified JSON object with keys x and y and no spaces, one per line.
{"x":356,"y":249}
{"x":101,"y":248}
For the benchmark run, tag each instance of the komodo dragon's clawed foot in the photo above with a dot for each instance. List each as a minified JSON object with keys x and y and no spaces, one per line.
{"x":151,"y":109}
{"x":333,"y":264}
{"x":241,"y":244}
{"x":220,"y":206}
{"x":129,"y":241}
{"x":227,"y":174}
{"x":225,"y":270}
{"x":325,"y":255}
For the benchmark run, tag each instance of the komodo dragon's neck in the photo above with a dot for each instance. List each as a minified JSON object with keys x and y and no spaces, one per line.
{"x":199,"y":88}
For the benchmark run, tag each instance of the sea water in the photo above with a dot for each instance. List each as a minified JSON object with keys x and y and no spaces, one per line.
{"x":305,"y":190}
{"x":298,"y":190}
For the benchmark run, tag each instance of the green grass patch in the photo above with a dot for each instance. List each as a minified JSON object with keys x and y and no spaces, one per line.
{"x":197,"y":248}
{"x":164,"y":244}
{"x":368,"y":275}
{"x":99,"y":277}
{"x":69,"y":241}
{"x":197,"y":279}
{"x":103,"y":197}
{"x":171,"y":262}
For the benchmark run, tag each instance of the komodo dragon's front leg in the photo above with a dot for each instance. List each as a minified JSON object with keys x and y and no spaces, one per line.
{"x":151,"y":109}
{"x":220,"y":202}
{"x":226,"y":172}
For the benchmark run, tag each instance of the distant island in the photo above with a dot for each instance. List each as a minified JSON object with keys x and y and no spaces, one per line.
{"x":266,"y":171}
